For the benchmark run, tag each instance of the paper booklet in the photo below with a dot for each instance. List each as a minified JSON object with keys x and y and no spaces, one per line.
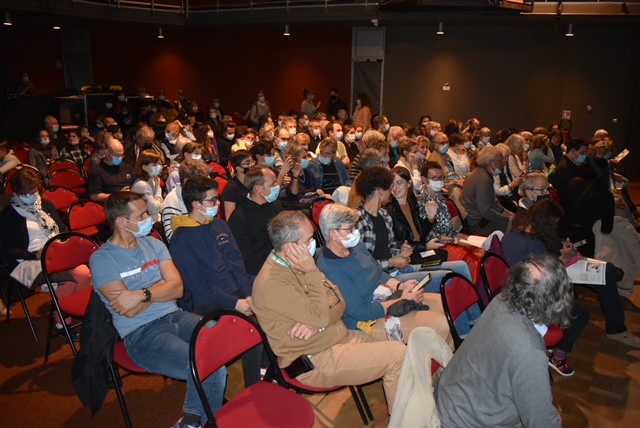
{"x":587,"y":271}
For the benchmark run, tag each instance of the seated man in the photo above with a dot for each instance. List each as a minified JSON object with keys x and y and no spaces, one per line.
{"x":301,"y":312}
{"x":251,"y":216}
{"x":328,"y":169}
{"x":173,"y":203}
{"x":139,"y":285}
{"x":209,"y":260}
{"x":432,"y":177}
{"x":110,"y":175}
{"x":502,"y":379}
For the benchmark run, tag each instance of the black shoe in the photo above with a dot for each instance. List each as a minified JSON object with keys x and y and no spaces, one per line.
{"x":75,"y":334}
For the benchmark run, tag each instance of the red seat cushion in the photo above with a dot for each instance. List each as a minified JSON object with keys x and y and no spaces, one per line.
{"x":76,"y":304}
{"x":265,"y":405}
{"x":297,"y":384}
{"x":121,"y":357}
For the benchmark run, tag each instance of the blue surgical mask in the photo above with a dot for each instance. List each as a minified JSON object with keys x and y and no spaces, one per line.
{"x":444,"y":149}
{"x":395,"y":144}
{"x":525,"y":146}
{"x":468,"y":145}
{"x":312,"y":247}
{"x":282,"y":145}
{"x":324,"y":161}
{"x":275,"y":192}
{"x":116,"y":160}
{"x":358,"y":135}
{"x":156,"y":170}
{"x":420,"y":156}
{"x":28,"y":199}
{"x":269,"y":160}
{"x":581,"y":159}
{"x":352,"y":239}
{"x":608,"y":155}
{"x":144,"y":227}
{"x":304,"y":163}
{"x":386,"y":127}
{"x":339,"y":135}
{"x":211,"y":212}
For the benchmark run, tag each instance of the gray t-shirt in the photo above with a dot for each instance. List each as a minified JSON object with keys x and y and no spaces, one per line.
{"x":137,"y":268}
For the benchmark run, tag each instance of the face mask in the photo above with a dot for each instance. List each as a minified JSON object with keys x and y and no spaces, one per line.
{"x":125,"y":111}
{"x":608,"y":155}
{"x":339,"y":135}
{"x":108,"y":105}
{"x":116,"y":160}
{"x":144,"y":227}
{"x":312,"y":247}
{"x":358,"y":102}
{"x":293,"y":132}
{"x":211,"y":212}
{"x":189,"y":135}
{"x":28,"y":199}
{"x":212,"y":116}
{"x":433,"y":132}
{"x":420,"y":156}
{"x":161,"y":97}
{"x":170,"y":138}
{"x":282,"y":145}
{"x":324,"y":161}
{"x":210,"y":134}
{"x":395,"y":144}
{"x":316,"y":133}
{"x":444,"y":149}
{"x":581,"y":159}
{"x":248,"y":143}
{"x":98,"y":125}
{"x":468,"y":145}
{"x":44,"y":141}
{"x":196,"y":156}
{"x":485,"y":140}
{"x":275,"y":192}
{"x":279,"y":123}
{"x":351,"y":240}
{"x":350,"y":138}
{"x":269,"y":160}
{"x":120,"y":97}
{"x":386,"y":127}
{"x":155,"y":170}
{"x":496,"y":171}
{"x":55,"y":128}
{"x":194,"y":109}
{"x":436,"y":186}
{"x":216,"y":105}
{"x":385,"y":160}
{"x":261,"y":99}
{"x":74,"y":142}
{"x":304,"y":163}
{"x":543,"y":197}
{"x":526,"y":146}
{"x":358,"y":135}
{"x":230,"y":136}
{"x":162,"y":120}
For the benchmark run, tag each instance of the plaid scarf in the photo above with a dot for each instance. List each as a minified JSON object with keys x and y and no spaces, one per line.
{"x":48,"y":224}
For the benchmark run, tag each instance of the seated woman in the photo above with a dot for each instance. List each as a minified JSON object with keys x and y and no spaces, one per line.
{"x":42,"y":151}
{"x":235,"y":190}
{"x":540,"y":153}
{"x":459,"y":157}
{"x":27,"y":224}
{"x":148,"y":168}
{"x":204,"y":135}
{"x":410,"y":158}
{"x":348,"y":264}
{"x":535,"y":233}
{"x":191,"y":151}
{"x":75,"y":150}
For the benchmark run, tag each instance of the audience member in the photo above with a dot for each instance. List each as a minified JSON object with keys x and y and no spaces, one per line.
{"x":147,"y":183}
{"x":75,"y":150}
{"x":110,"y":175}
{"x":8,"y":160}
{"x":328,"y":170}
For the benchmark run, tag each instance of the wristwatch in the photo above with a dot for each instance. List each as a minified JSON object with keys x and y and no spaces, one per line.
{"x":147,"y":295}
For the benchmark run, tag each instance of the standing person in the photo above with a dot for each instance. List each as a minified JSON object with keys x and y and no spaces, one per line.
{"x":362,"y":114}
{"x":139,"y":284}
{"x":307,"y":107}
{"x":147,"y":183}
{"x":259,"y":109}
{"x":513,"y":388}
{"x":335,"y":104}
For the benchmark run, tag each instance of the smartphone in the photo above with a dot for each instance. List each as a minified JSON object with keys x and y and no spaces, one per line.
{"x":446,"y":239}
{"x":431,"y":263}
{"x":299,"y":366}
{"x":422,"y":284}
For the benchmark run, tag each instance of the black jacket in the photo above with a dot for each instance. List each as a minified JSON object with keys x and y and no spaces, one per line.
{"x":401,"y":227}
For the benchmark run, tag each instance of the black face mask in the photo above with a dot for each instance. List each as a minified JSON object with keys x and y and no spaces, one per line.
{"x":476,"y":140}
{"x":147,"y":146}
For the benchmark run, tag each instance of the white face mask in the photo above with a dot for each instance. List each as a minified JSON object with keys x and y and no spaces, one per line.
{"x":312,"y":247}
{"x":352,"y":239}
{"x":485,"y":140}
{"x":339,"y":135}
{"x":210,"y":134}
{"x":350,"y":138}
{"x":525,"y":147}
{"x":196,"y":156}
{"x":436,"y":186}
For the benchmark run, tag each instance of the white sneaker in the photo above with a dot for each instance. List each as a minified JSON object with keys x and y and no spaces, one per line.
{"x":626,"y":337}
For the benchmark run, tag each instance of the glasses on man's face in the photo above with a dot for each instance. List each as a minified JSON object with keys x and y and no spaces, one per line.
{"x":436,"y":178}
{"x":213,"y":200}
{"x":335,"y":294}
{"x":542,"y":190}
{"x":349,"y":229}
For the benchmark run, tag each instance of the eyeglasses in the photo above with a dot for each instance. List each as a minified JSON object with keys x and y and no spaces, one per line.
{"x":543,"y":190}
{"x":350,"y":229}
{"x":335,"y":293}
{"x":213,"y":200}
{"x":436,"y":178}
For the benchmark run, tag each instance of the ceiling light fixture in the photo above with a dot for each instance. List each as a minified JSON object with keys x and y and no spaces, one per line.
{"x":7,"y":19}
{"x":286,"y":30}
{"x":569,"y":32}
{"x":56,"y":27}
{"x":440,"y":31}
{"x":160,"y":35}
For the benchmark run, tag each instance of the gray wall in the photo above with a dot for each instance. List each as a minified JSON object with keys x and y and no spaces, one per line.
{"x":518,"y":76}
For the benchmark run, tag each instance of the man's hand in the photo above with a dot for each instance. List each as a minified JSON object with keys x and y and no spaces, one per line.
{"x":408,"y":284}
{"x":299,"y":258}
{"x":124,"y":301}
{"x":406,"y":249}
{"x":243,"y":306}
{"x":302,"y":331}
{"x":399,"y":262}
{"x":418,"y":296}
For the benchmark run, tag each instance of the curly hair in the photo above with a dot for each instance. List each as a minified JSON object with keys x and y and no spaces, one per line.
{"x":539,"y":288}
{"x":372,"y":179}
{"x":541,"y":222}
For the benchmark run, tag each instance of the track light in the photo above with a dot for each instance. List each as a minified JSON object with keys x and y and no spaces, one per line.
{"x":160,"y":35}
{"x":56,"y":27}
{"x":7,"y":19}
{"x":569,"y":32}
{"x":440,"y":31}
{"x":286,"y":30}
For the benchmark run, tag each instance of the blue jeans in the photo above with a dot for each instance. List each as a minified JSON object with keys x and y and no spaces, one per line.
{"x":468,"y":317}
{"x":162,"y":347}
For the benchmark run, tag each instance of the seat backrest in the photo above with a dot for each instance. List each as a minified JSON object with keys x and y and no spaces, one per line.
{"x":61,"y":198}
{"x":458,"y":295}
{"x":66,"y":251}
{"x":86,"y":214}
{"x":316,"y":208}
{"x":87,"y":165}
{"x":68,"y":179}
{"x":21,"y":151}
{"x":61,"y":164}
{"x":495,"y":272}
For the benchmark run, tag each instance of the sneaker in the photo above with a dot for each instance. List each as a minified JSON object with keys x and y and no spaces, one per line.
{"x":179,"y":424}
{"x":626,"y":338}
{"x":561,"y":367}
